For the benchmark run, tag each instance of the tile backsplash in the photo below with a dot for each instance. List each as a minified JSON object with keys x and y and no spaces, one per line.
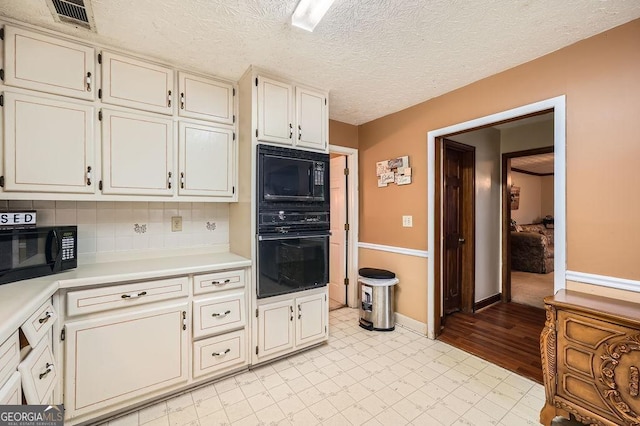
{"x":110,"y":226}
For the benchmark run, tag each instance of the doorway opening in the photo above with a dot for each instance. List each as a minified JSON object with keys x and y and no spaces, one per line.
{"x":528,"y":225}
{"x":343,"y":260}
{"x":434,"y":282}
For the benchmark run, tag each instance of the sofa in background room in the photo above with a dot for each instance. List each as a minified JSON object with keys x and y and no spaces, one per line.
{"x":532,"y":248}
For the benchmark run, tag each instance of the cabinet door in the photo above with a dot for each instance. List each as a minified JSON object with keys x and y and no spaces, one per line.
{"x":136,"y":84}
{"x":311,"y":119}
{"x":48,"y":145}
{"x":113,"y":359}
{"x":207,"y":156}
{"x":137,"y":154}
{"x":11,"y":391}
{"x":311,"y":312}
{"x":275,"y":328}
{"x":48,"y":64}
{"x":205,"y":99}
{"x":275,"y":111}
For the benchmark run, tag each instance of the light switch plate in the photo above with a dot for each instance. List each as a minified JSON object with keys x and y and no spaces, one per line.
{"x":176,"y":223}
{"x":407,"y":221}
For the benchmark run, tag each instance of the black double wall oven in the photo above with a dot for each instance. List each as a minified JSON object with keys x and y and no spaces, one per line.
{"x":293,"y":220}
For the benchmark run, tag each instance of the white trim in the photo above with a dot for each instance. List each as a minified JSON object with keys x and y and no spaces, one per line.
{"x":353,"y":197}
{"x":558,"y":104}
{"x":603,"y":280}
{"x":411,"y":324}
{"x":392,"y":249}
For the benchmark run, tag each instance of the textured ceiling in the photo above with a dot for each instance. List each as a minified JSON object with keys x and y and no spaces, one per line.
{"x":541,"y":163}
{"x":374,"y":56}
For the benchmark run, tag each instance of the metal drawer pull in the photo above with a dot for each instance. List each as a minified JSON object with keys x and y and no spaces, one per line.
{"x":215,"y":314}
{"x":221,"y":353}
{"x":45,"y":318}
{"x":131,"y":296}
{"x":88,"y":82}
{"x":182,"y":100}
{"x":169,"y":99}
{"x":227,"y":281}
{"x":46,"y":373}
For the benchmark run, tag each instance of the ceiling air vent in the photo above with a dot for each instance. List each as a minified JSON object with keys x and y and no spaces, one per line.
{"x":74,"y":12}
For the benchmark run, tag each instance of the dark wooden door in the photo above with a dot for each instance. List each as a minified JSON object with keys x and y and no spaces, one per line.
{"x":453,"y":236}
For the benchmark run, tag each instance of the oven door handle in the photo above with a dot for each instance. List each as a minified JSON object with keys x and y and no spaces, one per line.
{"x":292,"y":237}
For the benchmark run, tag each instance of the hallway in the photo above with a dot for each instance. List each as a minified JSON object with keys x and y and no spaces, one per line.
{"x":506,"y":334}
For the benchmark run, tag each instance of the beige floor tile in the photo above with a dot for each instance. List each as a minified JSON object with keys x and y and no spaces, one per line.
{"x":152,"y":412}
{"x":359,"y":377}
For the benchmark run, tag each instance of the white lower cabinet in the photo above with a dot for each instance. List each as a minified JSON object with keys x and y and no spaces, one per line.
{"x":113,"y":360}
{"x":11,"y":391}
{"x":291,"y":324}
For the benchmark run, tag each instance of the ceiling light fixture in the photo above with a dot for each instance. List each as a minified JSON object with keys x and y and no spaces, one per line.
{"x":309,"y":12}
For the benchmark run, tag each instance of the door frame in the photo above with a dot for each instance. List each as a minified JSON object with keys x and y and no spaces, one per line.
{"x":468,"y":220}
{"x":506,"y":214}
{"x":558,"y":105}
{"x":352,"y":220}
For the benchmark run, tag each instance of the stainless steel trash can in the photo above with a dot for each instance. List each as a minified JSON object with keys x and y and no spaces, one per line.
{"x":377,"y":290}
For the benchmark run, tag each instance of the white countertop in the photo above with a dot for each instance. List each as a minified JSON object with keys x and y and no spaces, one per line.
{"x":20,"y":299}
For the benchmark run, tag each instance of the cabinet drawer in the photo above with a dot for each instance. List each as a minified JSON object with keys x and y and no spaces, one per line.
{"x":218,"y":281}
{"x":11,"y":392}
{"x":9,"y":356}
{"x":38,"y":324}
{"x":218,"y":353}
{"x":122,"y":296}
{"x":39,"y":374}
{"x":218,"y":314}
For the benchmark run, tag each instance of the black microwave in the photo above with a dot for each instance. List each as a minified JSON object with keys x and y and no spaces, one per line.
{"x":292,"y":176}
{"x":35,"y":252}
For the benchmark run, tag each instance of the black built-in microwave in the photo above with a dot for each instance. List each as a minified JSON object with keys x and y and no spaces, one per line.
{"x":34,"y":252}
{"x":292,"y":177}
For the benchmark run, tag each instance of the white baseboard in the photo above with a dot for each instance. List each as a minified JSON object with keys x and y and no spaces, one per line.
{"x":411,"y":324}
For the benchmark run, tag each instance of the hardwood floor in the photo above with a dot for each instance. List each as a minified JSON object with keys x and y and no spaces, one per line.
{"x":506,"y":334}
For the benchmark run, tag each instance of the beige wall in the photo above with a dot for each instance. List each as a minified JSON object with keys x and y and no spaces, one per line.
{"x":599,"y":77}
{"x":411,"y":271}
{"x":343,"y":134}
{"x":530,"y":198}
{"x":527,"y":136}
{"x":546,"y":196}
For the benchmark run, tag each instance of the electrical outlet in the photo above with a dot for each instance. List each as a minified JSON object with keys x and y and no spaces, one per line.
{"x":407,"y":221}
{"x":176,"y":223}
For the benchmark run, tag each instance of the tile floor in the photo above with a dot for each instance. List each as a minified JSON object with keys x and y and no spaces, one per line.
{"x":359,"y":377}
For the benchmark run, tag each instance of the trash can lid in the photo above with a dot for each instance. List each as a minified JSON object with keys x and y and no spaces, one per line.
{"x":380,"y":274}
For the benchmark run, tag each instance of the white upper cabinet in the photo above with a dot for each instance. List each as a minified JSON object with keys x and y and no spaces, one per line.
{"x":47,"y":64}
{"x":311,"y":117}
{"x":207,"y":158}
{"x":205,"y":99}
{"x":275,"y":111}
{"x":136,"y":84}
{"x":48,"y":145}
{"x":291,"y":115}
{"x":137,"y":154}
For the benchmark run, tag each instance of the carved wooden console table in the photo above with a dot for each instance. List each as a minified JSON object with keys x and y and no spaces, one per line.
{"x":590,"y":349}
